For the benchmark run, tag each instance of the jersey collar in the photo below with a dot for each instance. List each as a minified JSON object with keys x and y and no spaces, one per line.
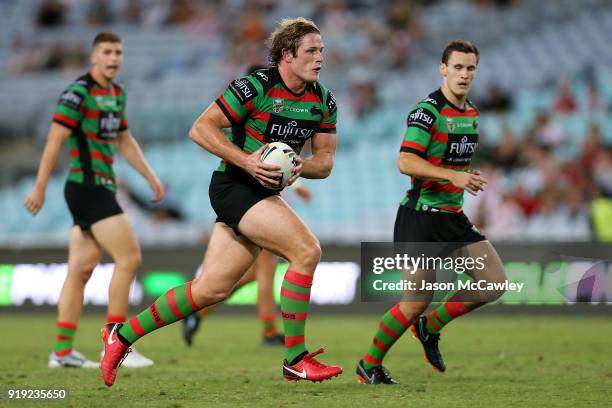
{"x":99,"y":85}
{"x":467,"y":102}
{"x":280,"y":79}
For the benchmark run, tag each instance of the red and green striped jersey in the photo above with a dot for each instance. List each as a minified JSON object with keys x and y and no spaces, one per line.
{"x":95,"y":115}
{"x":262,"y":109}
{"x":446,"y":136}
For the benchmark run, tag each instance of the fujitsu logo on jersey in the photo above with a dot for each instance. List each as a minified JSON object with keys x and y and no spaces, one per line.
{"x":463,"y":147}
{"x":243,"y":87}
{"x":421,"y":115}
{"x":290,"y":129}
{"x":71,"y":99}
{"x":110,"y":122}
{"x":460,"y":149}
{"x":243,"y":90}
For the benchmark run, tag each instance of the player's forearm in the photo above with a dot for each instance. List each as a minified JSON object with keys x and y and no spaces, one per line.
{"x":132,"y":153}
{"x":48,"y":161}
{"x":412,"y":165}
{"x":318,"y":166}
{"x":212,"y":139}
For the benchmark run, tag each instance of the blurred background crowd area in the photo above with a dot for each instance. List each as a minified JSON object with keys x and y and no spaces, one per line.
{"x":544,"y":90}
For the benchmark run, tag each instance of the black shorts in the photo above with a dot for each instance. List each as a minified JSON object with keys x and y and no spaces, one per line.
{"x":232,"y":194}
{"x":89,"y":204}
{"x":424,"y":226}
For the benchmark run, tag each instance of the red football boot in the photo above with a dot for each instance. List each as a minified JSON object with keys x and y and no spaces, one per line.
{"x":114,"y":352}
{"x":310,"y":369}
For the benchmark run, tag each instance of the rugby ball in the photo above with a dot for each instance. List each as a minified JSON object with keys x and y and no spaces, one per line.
{"x":283,"y":156}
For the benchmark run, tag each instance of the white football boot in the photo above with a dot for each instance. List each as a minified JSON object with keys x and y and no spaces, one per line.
{"x":72,"y":360}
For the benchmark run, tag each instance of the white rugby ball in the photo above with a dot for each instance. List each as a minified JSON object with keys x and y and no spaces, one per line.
{"x":283,"y":156}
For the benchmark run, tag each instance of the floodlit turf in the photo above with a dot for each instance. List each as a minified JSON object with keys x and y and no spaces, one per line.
{"x":541,"y":361}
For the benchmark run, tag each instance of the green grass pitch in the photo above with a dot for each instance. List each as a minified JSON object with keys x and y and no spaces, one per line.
{"x":539,"y":361}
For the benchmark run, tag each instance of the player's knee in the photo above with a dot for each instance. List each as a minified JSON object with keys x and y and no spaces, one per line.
{"x":310,"y":254}
{"x":130,"y":262}
{"x":87,"y":273}
{"x":209,"y":296}
{"x":83,"y":270}
{"x":84,"y":273}
{"x":206,"y":293}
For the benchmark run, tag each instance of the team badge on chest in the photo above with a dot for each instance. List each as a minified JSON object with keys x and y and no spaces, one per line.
{"x":277,"y":105}
{"x":450,"y":125}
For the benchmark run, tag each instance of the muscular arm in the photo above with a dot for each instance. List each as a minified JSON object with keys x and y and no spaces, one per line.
{"x":415,"y":166}
{"x":320,"y":164}
{"x":131,"y":151}
{"x":207,"y":131}
{"x":55,"y":138}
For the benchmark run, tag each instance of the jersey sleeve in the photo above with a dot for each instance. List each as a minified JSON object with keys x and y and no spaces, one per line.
{"x":68,"y":111}
{"x":330,"y":113}
{"x":236,"y":102}
{"x":420,"y":126}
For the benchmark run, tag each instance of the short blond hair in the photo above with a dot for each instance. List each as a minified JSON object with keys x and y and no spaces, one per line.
{"x":287,"y":36}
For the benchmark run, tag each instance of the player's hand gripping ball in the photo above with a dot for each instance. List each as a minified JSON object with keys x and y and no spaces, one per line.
{"x":283,"y":156}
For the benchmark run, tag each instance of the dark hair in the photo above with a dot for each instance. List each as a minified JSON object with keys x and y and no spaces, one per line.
{"x":106,"y":36}
{"x":287,"y":36}
{"x":460,"y":46}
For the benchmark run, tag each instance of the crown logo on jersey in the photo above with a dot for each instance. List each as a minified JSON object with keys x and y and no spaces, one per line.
{"x":277,"y":105}
{"x":105,"y":103}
